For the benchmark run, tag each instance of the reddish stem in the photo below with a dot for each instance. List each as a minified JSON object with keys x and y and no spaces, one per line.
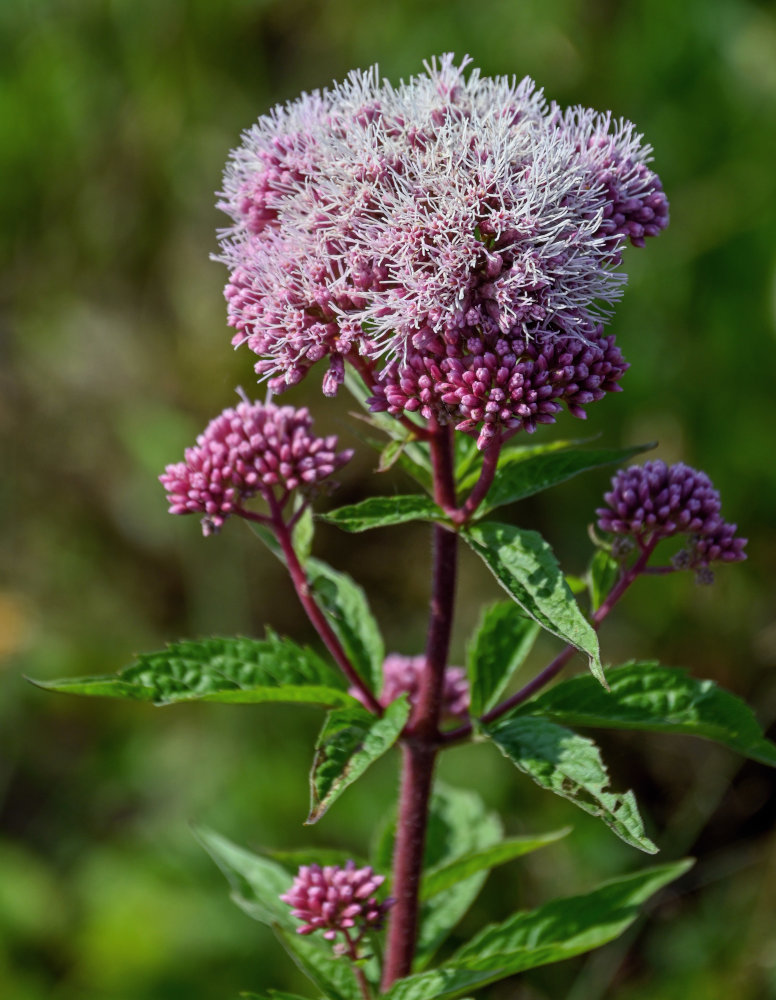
{"x":314,"y":613}
{"x":420,"y":744}
{"x":358,"y":972}
{"x":483,"y":484}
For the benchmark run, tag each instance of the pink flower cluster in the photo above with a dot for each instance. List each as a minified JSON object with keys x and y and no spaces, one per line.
{"x":401,"y":675}
{"x":336,"y":900}
{"x":255,"y":448}
{"x":456,"y":236}
{"x":655,"y":500}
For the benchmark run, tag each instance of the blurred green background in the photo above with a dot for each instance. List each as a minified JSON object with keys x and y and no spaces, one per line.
{"x":115,"y":120}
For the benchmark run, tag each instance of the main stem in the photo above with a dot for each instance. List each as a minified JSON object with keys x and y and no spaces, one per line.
{"x":420,"y":745}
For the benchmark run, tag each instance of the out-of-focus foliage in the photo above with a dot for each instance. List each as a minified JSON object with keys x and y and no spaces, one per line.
{"x":115,"y":120}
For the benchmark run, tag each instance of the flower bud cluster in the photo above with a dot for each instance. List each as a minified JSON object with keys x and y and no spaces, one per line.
{"x":253,"y":449}
{"x":494,"y":385}
{"x":655,"y":501}
{"x":336,"y":900}
{"x":402,"y":675}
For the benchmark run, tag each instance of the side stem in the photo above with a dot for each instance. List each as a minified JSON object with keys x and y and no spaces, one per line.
{"x":314,"y":613}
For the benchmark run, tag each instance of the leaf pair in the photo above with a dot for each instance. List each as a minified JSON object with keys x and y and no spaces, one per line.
{"x":642,"y":696}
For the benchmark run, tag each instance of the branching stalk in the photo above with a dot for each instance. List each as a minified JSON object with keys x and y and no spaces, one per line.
{"x":314,"y":613}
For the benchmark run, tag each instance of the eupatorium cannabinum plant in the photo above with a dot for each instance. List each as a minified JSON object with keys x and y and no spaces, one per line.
{"x":449,"y":250}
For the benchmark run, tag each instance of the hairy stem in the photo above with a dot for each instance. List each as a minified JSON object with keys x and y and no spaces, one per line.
{"x":358,"y":972}
{"x":314,"y":613}
{"x":421,"y":742}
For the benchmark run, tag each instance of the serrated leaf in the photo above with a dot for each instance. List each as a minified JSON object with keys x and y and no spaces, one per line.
{"x":459,"y":825}
{"x":347,"y":610}
{"x":551,"y":933}
{"x":526,"y":567}
{"x":569,"y":765}
{"x":499,"y":646}
{"x":351,"y":740}
{"x":237,"y":670}
{"x":648,"y":696}
{"x":602,"y":576}
{"x":257,"y":884}
{"x":443,"y":877}
{"x":517,"y":479}
{"x":379,"y":512}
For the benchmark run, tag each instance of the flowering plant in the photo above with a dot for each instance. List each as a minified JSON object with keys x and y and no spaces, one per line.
{"x":451,"y":249}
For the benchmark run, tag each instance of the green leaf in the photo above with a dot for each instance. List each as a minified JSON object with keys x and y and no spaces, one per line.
{"x":569,"y":765}
{"x":220,"y":669}
{"x":379,"y":512}
{"x":257,"y":884}
{"x":459,"y":826}
{"x":333,"y":976}
{"x":351,"y":740}
{"x":661,"y":699}
{"x":413,"y":456}
{"x":512,"y":452}
{"x":302,"y":535}
{"x":443,"y":877}
{"x":346,"y":608}
{"x":526,"y":567}
{"x":518,"y":478}
{"x":551,"y":933}
{"x":501,"y":643}
{"x":602,"y":576}
{"x":466,"y":455}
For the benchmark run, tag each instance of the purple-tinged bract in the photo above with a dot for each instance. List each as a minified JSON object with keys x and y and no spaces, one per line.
{"x":253,"y":449}
{"x":337,"y":900}
{"x":402,"y":674}
{"x":453,"y":236}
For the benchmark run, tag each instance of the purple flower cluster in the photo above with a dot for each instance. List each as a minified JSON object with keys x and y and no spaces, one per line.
{"x":456,"y":235}
{"x":502,"y":385}
{"x":656,"y":501}
{"x":402,"y":674}
{"x":255,"y":448}
{"x":336,"y":900}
